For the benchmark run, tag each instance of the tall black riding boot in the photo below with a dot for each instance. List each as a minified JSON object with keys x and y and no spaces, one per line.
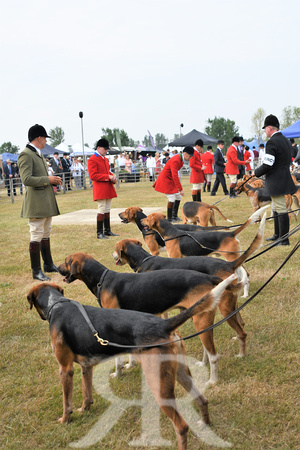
{"x":204,"y":186}
{"x":208,"y":186}
{"x":284,"y":228}
{"x":199,"y":195}
{"x":232,"y":191}
{"x":194,"y":196}
{"x":46,"y":255}
{"x":107,"y":230}
{"x":170,"y":211}
{"x":276,"y":228}
{"x":100,"y":218}
{"x":35,"y":259}
{"x":175,"y":211}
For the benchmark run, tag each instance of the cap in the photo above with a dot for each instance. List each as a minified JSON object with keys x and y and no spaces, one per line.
{"x":103,"y":143}
{"x":271,"y":121}
{"x":199,"y":142}
{"x":189,"y":149}
{"x":36,"y":131}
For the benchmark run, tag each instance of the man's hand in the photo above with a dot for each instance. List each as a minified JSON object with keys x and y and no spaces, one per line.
{"x":113,"y":179}
{"x":54,"y":180}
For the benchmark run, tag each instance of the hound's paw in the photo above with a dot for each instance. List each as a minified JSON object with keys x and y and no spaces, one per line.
{"x":116,"y":374}
{"x":65,"y":419}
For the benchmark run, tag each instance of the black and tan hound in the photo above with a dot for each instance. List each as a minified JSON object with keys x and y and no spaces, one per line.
{"x":73,"y":341}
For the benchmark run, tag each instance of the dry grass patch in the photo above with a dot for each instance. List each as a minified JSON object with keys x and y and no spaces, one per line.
{"x":253,"y":406}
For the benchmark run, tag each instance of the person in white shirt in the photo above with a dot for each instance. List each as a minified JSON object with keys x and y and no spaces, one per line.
{"x":151,"y":163}
{"x":76,"y":169}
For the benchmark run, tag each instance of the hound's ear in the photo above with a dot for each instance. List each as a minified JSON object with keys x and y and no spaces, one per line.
{"x":74,"y":269}
{"x":139,"y":209}
{"x":31,"y":297}
{"x":130,"y":213}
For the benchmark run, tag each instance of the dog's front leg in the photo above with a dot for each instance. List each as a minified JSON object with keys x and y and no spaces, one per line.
{"x":66,"y":377}
{"x":119,"y":367}
{"x":87,"y":391}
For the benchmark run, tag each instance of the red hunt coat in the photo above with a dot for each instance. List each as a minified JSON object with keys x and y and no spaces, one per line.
{"x":208,"y":161}
{"x":197,"y":174}
{"x":232,"y":165}
{"x":168,"y":180}
{"x":99,"y":172}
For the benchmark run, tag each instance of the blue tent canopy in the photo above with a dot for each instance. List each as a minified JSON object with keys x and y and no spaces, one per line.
{"x":293,"y":131}
{"x":254,"y":143}
{"x":11,"y":156}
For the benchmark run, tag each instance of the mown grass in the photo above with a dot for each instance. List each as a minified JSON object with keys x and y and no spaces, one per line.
{"x":254,"y":405}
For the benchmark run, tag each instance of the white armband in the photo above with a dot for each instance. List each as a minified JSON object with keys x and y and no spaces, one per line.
{"x":268,"y":159}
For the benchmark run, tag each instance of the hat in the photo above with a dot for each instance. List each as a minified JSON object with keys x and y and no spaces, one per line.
{"x":271,"y":121}
{"x":8,"y":160}
{"x":235,"y":139}
{"x":167,"y":154}
{"x":189,"y":149}
{"x":103,"y":143}
{"x":209,"y":147}
{"x":36,"y":131}
{"x":220,"y":141}
{"x":199,"y":142}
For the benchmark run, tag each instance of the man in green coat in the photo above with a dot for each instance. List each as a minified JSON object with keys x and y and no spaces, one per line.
{"x":39,"y":204}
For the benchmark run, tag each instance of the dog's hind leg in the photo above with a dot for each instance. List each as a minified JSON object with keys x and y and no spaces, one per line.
{"x":184,"y":377}
{"x":226,"y":306}
{"x":160,"y":367}
{"x":119,"y":367}
{"x":66,"y":373}
{"x":87,"y":388}
{"x":201,"y":321}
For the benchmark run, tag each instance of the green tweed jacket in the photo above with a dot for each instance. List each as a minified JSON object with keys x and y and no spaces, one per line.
{"x":39,"y":200}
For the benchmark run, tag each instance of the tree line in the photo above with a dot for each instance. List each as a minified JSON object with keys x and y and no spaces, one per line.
{"x":218,"y":127}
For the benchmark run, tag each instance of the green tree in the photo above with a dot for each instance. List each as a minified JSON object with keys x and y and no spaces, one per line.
{"x":57,"y":136}
{"x":160,"y":140}
{"x":146,"y":141}
{"x":258,"y":119}
{"x":290,"y":115}
{"x":8,"y":147}
{"x":111,"y":136}
{"x":221,"y":128}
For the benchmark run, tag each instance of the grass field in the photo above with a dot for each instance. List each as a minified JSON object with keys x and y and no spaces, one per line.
{"x":255,"y":404}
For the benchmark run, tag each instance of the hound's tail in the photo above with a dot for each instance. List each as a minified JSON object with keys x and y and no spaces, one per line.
{"x":255,"y":244}
{"x":207,"y":303}
{"x":255,"y":216}
{"x":222,"y":215}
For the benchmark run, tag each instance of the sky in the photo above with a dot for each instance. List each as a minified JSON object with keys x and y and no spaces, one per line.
{"x":144,"y":65}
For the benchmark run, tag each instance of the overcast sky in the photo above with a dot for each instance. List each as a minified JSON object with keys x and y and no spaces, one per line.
{"x":144,"y":65}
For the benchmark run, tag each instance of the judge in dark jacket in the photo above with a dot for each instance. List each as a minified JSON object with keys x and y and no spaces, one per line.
{"x":219,"y":167}
{"x":276,"y":167}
